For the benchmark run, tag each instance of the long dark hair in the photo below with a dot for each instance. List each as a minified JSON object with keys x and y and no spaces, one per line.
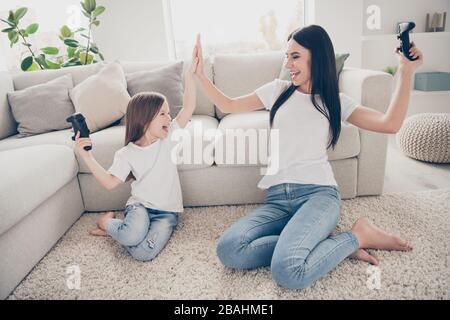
{"x":324,"y":81}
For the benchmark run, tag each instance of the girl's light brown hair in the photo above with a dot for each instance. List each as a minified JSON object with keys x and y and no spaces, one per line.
{"x":141,"y":110}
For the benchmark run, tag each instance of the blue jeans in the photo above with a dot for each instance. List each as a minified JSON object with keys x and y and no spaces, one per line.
{"x":143,"y":232}
{"x":291,"y":234}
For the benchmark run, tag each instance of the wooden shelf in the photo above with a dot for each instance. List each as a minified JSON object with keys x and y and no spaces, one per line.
{"x":414,"y":35}
{"x":430,"y":93}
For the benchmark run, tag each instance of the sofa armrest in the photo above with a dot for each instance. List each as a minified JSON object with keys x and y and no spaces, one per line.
{"x":371,"y":89}
{"x":7,"y":124}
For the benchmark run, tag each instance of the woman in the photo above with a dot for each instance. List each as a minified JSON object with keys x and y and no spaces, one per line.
{"x":291,"y":231}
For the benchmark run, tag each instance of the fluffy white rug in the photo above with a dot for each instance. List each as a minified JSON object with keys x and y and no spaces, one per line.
{"x":188,"y":267}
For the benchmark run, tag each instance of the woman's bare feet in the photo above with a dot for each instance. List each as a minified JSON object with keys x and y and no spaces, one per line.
{"x":370,"y":236}
{"x":363,"y":255}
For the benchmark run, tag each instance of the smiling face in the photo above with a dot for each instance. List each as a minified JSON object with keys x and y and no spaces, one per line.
{"x":159,"y":126}
{"x":298,"y":62}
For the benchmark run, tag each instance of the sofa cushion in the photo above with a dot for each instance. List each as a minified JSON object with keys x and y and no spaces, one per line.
{"x":61,"y":137}
{"x":166,"y":80}
{"x":8,"y":126}
{"x":102,"y":98}
{"x":252,"y":140}
{"x":204,"y":106}
{"x":42,"y":108}
{"x":239,"y":74}
{"x":29,"y":177}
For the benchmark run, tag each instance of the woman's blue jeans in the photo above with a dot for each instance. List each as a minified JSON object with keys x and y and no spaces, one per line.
{"x":143,"y":232}
{"x":291,"y":233}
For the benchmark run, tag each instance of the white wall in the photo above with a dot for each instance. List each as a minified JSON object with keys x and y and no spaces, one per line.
{"x":342,"y":20}
{"x":132,"y":30}
{"x":50,"y":14}
{"x":393,"y":11}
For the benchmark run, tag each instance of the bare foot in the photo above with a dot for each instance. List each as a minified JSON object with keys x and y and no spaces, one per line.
{"x":104,"y":218}
{"x":370,"y":236}
{"x":363,"y":255}
{"x":98,"y":232}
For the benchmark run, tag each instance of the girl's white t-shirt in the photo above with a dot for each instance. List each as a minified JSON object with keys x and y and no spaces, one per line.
{"x":157,"y":184}
{"x":303,"y":137}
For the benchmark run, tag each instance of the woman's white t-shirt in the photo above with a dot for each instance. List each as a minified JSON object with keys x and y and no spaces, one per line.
{"x":157,"y":184}
{"x":303,"y":137}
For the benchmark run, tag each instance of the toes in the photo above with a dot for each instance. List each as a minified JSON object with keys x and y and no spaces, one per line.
{"x":403,"y":245}
{"x":372,"y":260}
{"x":365,"y":256}
{"x":408,"y":246}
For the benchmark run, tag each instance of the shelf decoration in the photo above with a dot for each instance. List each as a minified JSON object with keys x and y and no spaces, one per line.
{"x":435,"y":24}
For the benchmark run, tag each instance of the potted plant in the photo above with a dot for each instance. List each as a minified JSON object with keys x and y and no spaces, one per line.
{"x":75,"y":53}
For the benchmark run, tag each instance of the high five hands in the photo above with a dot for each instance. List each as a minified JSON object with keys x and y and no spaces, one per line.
{"x":197,"y":57}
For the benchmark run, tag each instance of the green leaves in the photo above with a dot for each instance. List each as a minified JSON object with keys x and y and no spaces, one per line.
{"x":70,"y":52}
{"x":32,"y":28}
{"x":66,"y":32}
{"x":71,"y":43}
{"x":88,"y":5}
{"x":86,"y":59}
{"x":26,"y":63}
{"x":52,"y":65}
{"x":41,"y":60}
{"x":34,"y":67}
{"x":11,"y":18}
{"x":8,"y":29}
{"x":98,"y":11}
{"x":13,"y":37}
{"x":20,"y":13}
{"x":50,"y":50}
{"x":11,"y":24}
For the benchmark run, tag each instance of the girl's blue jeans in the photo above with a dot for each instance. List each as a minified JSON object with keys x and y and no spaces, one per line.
{"x":143,"y":232}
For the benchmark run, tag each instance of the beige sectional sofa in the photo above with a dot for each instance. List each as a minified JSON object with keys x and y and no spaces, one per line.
{"x":45,"y":187}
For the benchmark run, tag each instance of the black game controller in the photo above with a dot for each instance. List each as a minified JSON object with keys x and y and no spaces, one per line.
{"x":403,"y":30}
{"x":79,"y":124}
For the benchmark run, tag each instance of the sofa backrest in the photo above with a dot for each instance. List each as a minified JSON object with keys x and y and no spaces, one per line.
{"x":240,"y":74}
{"x":79,"y":73}
{"x":24,"y":80}
{"x":204,"y":106}
{"x":8,"y":126}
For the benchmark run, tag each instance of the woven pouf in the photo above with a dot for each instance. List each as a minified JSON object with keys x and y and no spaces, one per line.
{"x":426,"y":137}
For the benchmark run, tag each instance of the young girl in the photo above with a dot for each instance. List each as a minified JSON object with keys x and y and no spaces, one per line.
{"x":291,"y":232}
{"x":151,"y":212}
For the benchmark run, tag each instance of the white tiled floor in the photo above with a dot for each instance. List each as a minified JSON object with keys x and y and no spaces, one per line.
{"x":406,"y":174}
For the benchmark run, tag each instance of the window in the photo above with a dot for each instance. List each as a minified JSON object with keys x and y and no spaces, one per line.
{"x":233,"y":26}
